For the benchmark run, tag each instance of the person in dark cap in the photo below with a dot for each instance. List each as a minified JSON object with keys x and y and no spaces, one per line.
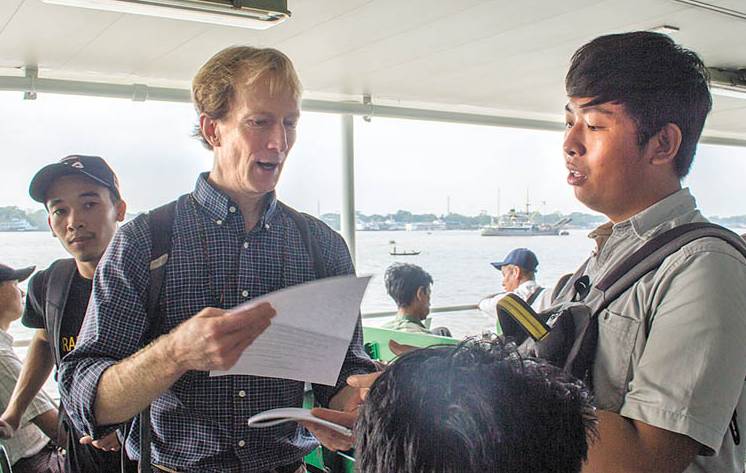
{"x":82,"y":197}
{"x":32,"y":448}
{"x":518,"y":269}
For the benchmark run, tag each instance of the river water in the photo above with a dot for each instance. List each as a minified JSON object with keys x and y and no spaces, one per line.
{"x":457,"y":260}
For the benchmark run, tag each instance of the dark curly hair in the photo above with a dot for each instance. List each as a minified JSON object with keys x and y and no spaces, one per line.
{"x":474,"y":407}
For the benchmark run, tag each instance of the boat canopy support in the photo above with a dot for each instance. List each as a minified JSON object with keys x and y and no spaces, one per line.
{"x":347,"y":219}
{"x":141,"y":92}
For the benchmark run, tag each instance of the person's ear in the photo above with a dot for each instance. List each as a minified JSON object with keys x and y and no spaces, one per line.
{"x":121,"y":208}
{"x":664,"y":145}
{"x":210,"y":130}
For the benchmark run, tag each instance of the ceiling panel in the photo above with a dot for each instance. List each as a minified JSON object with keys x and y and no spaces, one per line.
{"x":501,"y":54}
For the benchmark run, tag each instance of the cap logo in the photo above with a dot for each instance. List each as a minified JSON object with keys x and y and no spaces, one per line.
{"x":77,"y":165}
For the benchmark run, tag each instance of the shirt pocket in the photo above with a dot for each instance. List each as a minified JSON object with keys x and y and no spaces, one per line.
{"x":617,"y":334}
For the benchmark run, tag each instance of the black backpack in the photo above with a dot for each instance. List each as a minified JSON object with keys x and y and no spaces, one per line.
{"x":59,"y":278}
{"x":161,"y":222}
{"x":566,"y":335}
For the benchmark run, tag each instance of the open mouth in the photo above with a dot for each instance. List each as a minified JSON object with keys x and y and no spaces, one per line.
{"x":575,"y":178}
{"x":267,"y":166}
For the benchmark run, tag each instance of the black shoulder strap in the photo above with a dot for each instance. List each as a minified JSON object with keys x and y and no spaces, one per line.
{"x":649,"y":257}
{"x":535,"y":295}
{"x":160,"y":222}
{"x":59,"y":279}
{"x":560,"y":285}
{"x":311,"y":244}
{"x":652,"y":254}
{"x":620,"y":278}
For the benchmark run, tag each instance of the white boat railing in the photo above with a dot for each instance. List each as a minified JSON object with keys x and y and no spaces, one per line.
{"x":433,"y":310}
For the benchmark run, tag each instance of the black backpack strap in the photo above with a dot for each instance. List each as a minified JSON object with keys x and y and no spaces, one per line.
{"x":534,"y":295}
{"x":160,"y":222}
{"x":620,"y":278}
{"x":652,"y":254}
{"x":59,"y":279}
{"x":561,"y":283}
{"x":311,"y":244}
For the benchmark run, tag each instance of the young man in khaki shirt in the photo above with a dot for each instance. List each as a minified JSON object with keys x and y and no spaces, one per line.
{"x":670,"y":364}
{"x":671,"y":359}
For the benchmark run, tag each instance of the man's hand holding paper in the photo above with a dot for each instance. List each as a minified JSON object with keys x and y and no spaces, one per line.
{"x":310,"y":334}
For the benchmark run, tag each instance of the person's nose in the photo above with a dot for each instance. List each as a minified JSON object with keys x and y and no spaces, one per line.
{"x":572,"y":145}
{"x":278,"y":139}
{"x":75,"y":220}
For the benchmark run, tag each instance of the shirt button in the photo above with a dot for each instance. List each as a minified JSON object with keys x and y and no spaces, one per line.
{"x":241,"y":443}
{"x":219,"y":222}
{"x":246,"y":244}
{"x":232,"y":209}
{"x":245,"y":293}
{"x":242,"y":393}
{"x":266,"y":226}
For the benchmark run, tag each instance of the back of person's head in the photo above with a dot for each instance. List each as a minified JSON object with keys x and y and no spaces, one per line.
{"x":475,"y":407}
{"x":402,"y":281}
{"x":657,"y":81}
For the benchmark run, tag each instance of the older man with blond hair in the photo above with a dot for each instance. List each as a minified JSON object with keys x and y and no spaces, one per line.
{"x":232,"y":241}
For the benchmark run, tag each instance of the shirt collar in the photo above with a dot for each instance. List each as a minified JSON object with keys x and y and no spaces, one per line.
{"x":645,"y":224}
{"x":220,"y":207}
{"x":6,"y":339}
{"x":672,"y":207}
{"x":410,"y":319}
{"x":527,"y":285}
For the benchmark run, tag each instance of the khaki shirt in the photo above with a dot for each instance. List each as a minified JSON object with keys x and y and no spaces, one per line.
{"x":28,"y":439}
{"x":672,"y":349}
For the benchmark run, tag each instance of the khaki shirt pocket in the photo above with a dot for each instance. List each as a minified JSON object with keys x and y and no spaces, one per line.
{"x":617,"y":335}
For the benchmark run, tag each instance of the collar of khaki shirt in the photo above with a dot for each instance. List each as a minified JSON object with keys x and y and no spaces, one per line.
{"x":651,"y":221}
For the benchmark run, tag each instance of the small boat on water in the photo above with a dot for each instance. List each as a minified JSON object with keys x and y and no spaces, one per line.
{"x":394,"y":252}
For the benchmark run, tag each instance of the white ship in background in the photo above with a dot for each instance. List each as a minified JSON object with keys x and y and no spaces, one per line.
{"x":516,"y":223}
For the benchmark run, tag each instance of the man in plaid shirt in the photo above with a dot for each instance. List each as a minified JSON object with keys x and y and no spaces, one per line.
{"x":232,"y":241}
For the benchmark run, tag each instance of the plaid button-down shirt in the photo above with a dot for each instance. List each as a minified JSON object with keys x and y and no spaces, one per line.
{"x":200,"y":423}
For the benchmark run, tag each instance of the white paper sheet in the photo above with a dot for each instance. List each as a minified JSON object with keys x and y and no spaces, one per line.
{"x":309,"y":336}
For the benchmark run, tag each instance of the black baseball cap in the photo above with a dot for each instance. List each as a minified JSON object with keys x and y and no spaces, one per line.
{"x":9,"y":274}
{"x":521,"y":257}
{"x":93,"y":167}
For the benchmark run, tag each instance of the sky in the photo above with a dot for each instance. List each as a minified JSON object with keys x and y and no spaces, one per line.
{"x":423,"y":167}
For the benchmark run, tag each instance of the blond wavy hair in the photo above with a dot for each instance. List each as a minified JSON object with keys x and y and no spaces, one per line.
{"x":214,"y":86}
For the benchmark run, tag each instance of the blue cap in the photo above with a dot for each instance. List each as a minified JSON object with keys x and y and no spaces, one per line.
{"x":521,"y":257}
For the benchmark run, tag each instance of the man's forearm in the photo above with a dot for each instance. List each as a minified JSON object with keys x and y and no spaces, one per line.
{"x":129,"y":386}
{"x":34,"y":373}
{"x":47,"y":422}
{"x":625,"y":445}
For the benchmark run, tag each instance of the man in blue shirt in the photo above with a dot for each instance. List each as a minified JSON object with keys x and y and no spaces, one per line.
{"x":232,"y":241}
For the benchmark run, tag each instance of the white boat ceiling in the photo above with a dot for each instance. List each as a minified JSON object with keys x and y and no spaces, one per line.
{"x":501,"y":58}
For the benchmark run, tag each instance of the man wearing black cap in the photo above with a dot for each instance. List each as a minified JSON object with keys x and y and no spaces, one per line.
{"x":81,"y":194}
{"x":519,"y":277}
{"x":30,"y":450}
